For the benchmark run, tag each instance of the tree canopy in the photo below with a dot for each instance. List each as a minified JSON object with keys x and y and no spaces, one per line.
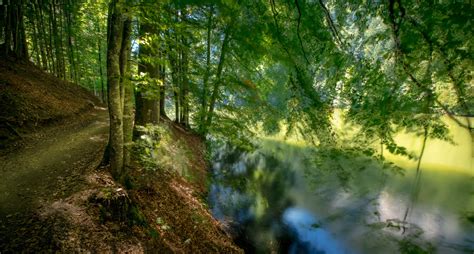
{"x":228,"y":69}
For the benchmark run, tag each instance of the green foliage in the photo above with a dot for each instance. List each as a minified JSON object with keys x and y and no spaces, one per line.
{"x":408,"y":247}
{"x":234,"y":67}
{"x":146,"y":145}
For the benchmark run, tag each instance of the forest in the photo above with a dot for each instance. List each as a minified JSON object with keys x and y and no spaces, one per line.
{"x":222,"y":126}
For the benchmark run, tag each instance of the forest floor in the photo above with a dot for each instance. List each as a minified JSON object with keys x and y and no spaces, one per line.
{"x":49,"y":167}
{"x":56,"y":197}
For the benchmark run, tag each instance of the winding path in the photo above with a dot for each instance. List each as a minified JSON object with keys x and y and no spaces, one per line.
{"x":50,"y":166}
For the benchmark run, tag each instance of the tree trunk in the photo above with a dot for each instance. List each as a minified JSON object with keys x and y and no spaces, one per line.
{"x":215,"y":90}
{"x":185,"y":84}
{"x":207,"y":73}
{"x":162,"y":87}
{"x":174,"y":60}
{"x":127,"y":92}
{"x":15,"y":38}
{"x":101,"y":72}
{"x":46,"y":45}
{"x":41,"y":34}
{"x":147,"y":110}
{"x":114,"y":43}
{"x":61,"y":42}
{"x":72,"y":60}
{"x":52,"y":49}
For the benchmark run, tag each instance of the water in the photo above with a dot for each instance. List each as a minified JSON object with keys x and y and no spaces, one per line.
{"x":277,"y":199}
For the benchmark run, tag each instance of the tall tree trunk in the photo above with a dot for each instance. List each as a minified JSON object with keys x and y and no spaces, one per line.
{"x":114,"y":43}
{"x":40,"y":34}
{"x":127,"y":93}
{"x":35,"y":39}
{"x":101,"y":72}
{"x":8,"y":30}
{"x":72,"y":60}
{"x":61,"y":41}
{"x":54,"y":68}
{"x":177,"y":109}
{"x":174,"y":60}
{"x":162,"y":69}
{"x":217,"y":83}
{"x":207,"y":73}
{"x":46,"y":45}
{"x":147,"y":110}
{"x":185,"y":84}
{"x":15,"y":37}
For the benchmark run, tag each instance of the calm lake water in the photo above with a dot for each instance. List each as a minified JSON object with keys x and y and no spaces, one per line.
{"x":278,"y":199}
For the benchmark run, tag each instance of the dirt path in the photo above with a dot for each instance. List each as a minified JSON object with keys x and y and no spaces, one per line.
{"x":50,"y":167}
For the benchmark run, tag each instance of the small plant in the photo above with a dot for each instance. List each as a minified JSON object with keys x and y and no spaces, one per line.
{"x":147,"y":144}
{"x":162,"y":224}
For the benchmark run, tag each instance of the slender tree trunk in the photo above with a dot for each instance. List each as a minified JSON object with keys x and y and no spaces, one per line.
{"x":55,"y":33}
{"x":3,"y":23}
{"x":185,"y":84}
{"x":416,"y":185}
{"x":35,"y":40}
{"x":207,"y":73}
{"x":54,"y":68}
{"x":177,"y":109}
{"x":72,"y":60}
{"x":8,"y":30}
{"x":217,"y":83}
{"x":61,"y":41}
{"x":162,"y":87}
{"x":40,"y":34}
{"x":114,"y":43}
{"x":174,"y":60}
{"x":46,"y":45}
{"x":101,"y":72}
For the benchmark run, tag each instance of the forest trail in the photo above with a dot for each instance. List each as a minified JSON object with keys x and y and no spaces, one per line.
{"x":51,"y":164}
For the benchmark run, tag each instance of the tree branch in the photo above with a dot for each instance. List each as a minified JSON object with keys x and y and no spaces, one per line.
{"x":298,"y":31}
{"x":332,"y":27}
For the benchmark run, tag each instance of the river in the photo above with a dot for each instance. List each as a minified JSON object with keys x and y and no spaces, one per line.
{"x":279,"y":198}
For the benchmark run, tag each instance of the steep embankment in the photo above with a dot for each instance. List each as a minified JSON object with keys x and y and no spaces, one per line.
{"x":171,"y":196}
{"x":54,"y":197}
{"x":30,"y":98}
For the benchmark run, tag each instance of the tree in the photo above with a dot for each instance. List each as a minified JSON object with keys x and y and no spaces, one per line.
{"x":13,"y":30}
{"x":115,"y":38}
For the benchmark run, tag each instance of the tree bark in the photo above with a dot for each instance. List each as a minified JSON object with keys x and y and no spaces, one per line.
{"x":162,"y":87}
{"x":15,"y":38}
{"x":40,"y":32}
{"x":72,"y":60}
{"x":101,"y":72}
{"x":114,"y":43}
{"x":217,"y":83}
{"x":207,"y":73}
{"x":147,"y":110}
{"x":54,"y":68}
{"x":127,"y":93}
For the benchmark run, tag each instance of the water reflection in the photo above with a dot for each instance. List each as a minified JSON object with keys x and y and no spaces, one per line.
{"x":308,"y":235}
{"x":276,"y":199}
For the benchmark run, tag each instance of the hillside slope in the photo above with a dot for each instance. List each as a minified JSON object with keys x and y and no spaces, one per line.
{"x":31,"y":98}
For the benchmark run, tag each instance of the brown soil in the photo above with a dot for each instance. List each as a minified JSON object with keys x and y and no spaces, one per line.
{"x":30,"y":98}
{"x":174,"y":206}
